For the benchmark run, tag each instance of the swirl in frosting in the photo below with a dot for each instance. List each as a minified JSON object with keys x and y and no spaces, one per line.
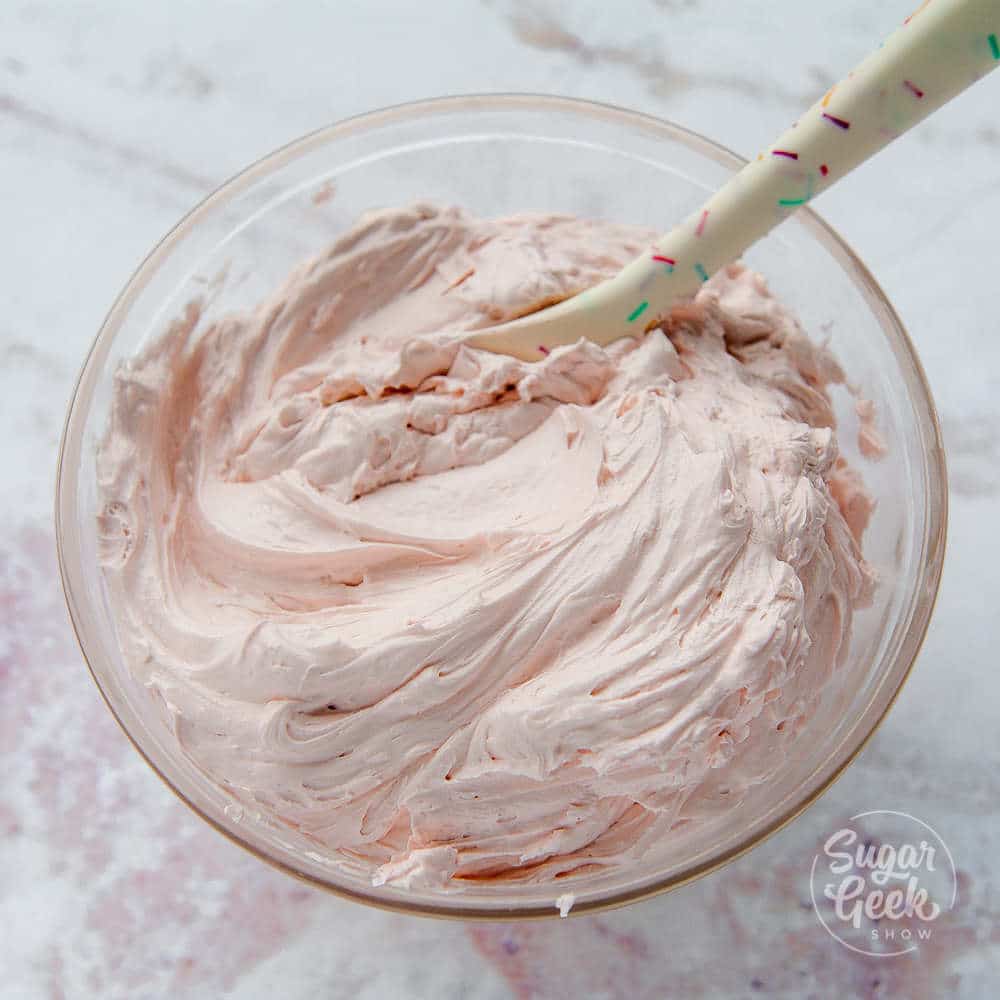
{"x":456,"y":616}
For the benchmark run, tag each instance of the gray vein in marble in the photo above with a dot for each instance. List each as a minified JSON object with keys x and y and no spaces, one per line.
{"x":168,"y":73}
{"x":130,"y":156}
{"x":20,"y":354}
{"x":541,"y":30}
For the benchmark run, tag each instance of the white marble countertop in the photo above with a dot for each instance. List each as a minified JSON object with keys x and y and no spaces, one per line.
{"x":115,"y":118}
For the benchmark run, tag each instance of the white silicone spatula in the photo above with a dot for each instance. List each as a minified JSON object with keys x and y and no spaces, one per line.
{"x":939,"y":50}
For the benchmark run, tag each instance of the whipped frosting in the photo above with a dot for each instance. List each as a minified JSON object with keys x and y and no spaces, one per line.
{"x":454,"y":616}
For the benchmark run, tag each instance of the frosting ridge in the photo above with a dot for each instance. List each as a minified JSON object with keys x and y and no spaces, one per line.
{"x":457,"y":616}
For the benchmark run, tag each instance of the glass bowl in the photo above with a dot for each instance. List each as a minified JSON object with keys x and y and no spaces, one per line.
{"x":496,"y":155}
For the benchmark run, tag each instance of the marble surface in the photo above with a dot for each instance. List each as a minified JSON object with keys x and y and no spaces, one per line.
{"x":115,"y":118}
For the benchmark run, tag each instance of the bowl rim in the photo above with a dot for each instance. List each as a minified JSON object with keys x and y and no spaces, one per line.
{"x":932,"y":547}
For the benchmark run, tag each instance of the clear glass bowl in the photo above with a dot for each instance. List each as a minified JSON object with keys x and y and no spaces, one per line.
{"x":498,"y":155}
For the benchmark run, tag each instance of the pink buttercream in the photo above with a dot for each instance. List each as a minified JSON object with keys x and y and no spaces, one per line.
{"x":454,"y":615}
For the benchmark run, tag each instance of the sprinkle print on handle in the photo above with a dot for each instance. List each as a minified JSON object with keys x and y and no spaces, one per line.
{"x":942,"y":48}
{"x":834,"y":120}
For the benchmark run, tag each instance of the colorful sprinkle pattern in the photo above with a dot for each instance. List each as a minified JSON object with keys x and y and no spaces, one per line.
{"x":839,"y":122}
{"x":638,"y":311}
{"x":914,"y":72}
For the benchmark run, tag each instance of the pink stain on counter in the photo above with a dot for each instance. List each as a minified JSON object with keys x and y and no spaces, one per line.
{"x":749,"y":930}
{"x":85,"y":800}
